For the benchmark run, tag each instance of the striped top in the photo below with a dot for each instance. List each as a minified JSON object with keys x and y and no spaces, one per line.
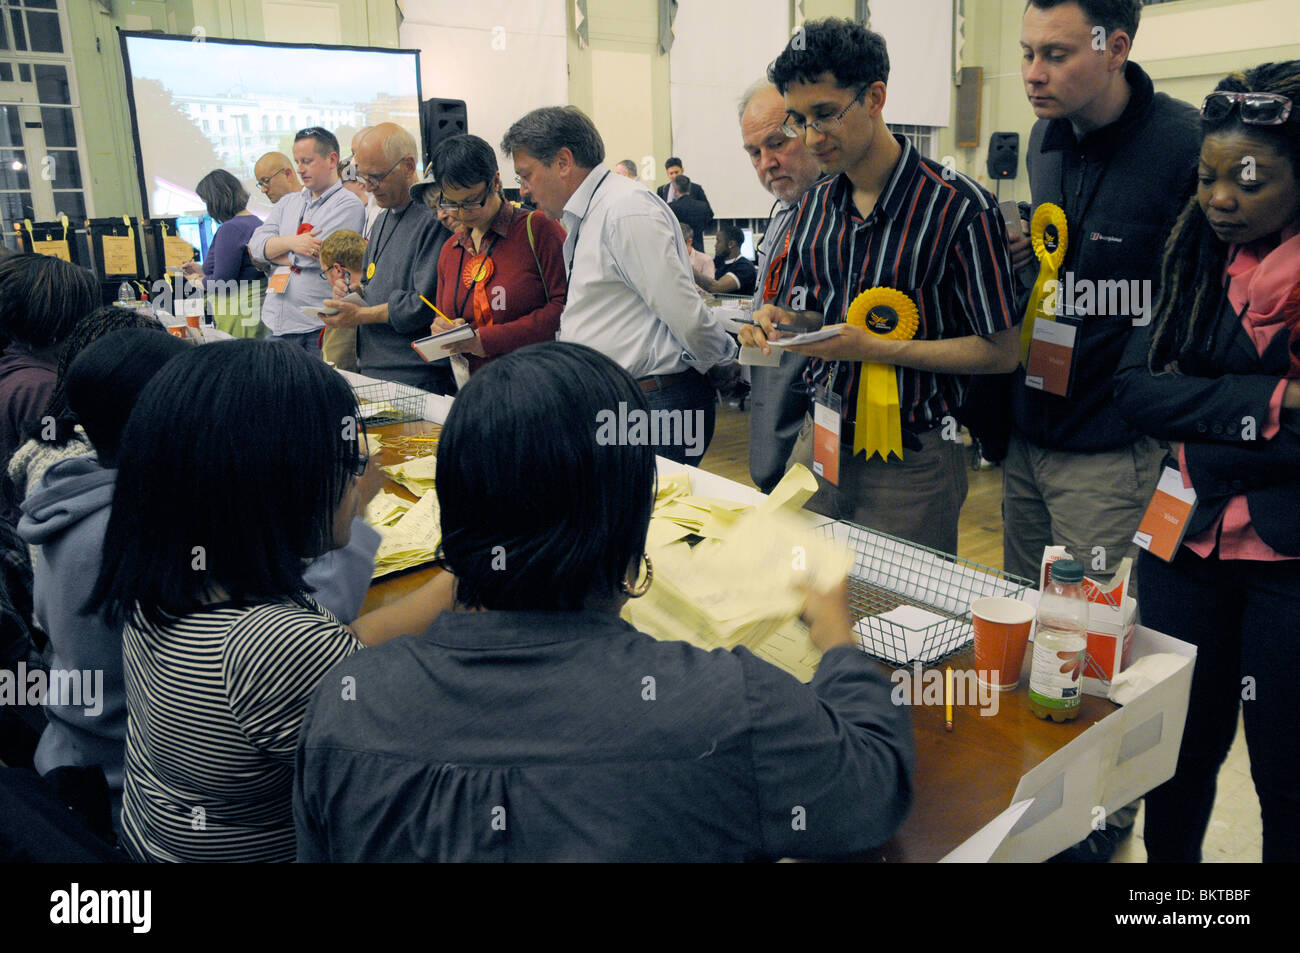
{"x":934,"y":235}
{"x":214,"y":700}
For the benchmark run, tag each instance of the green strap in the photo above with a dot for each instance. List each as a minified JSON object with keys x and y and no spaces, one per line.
{"x":533,"y":245}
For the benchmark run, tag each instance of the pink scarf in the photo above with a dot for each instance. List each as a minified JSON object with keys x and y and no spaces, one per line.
{"x":1267,"y":287}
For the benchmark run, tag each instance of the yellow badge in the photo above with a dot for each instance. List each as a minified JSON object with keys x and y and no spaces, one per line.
{"x":878,"y":426}
{"x":1049,"y":237}
{"x":370,"y":271}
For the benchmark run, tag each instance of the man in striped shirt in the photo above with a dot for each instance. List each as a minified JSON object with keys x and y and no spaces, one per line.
{"x":887,"y":217}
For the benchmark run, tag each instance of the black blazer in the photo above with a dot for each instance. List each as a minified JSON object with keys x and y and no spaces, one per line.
{"x":697,"y":193}
{"x":1209,"y":407}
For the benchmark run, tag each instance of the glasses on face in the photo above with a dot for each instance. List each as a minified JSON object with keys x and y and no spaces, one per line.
{"x":359,"y":468}
{"x":264,"y":184}
{"x":1255,"y":109}
{"x":374,"y":180}
{"x":795,"y":128}
{"x":344,"y":273}
{"x":470,"y":206}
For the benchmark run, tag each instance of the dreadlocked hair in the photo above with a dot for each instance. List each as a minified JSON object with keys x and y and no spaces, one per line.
{"x":91,"y":328}
{"x":1192,"y":269}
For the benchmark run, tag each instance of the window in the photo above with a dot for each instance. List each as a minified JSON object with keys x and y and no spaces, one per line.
{"x":41,"y":162}
{"x":921,"y":137}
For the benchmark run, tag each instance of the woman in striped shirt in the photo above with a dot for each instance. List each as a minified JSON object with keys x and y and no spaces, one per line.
{"x":222,"y":644}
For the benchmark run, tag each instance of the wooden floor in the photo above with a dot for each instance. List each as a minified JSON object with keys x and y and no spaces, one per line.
{"x":979,"y":533}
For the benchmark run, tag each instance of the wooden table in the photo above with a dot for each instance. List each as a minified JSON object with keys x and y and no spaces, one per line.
{"x":964,"y":778}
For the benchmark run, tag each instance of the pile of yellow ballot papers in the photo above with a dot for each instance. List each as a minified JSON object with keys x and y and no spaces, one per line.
{"x":737,"y":586}
{"x":416,"y":475}
{"x":408,"y":537}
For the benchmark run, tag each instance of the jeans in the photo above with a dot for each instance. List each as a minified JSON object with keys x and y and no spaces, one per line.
{"x":309,"y":341}
{"x":694,"y":396}
{"x":1241,"y":616}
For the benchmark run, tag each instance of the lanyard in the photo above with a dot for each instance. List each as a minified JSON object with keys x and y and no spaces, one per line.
{"x":379,"y":248}
{"x":577,"y":229}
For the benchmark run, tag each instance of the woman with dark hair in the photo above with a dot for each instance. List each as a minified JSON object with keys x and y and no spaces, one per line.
{"x":56,"y":435}
{"x":532,"y":723}
{"x":503,"y":271}
{"x":222,"y":643}
{"x":41,"y":300}
{"x":1217,"y":373}
{"x":233,"y":282}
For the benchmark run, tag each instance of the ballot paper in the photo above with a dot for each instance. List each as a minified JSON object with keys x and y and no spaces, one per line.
{"x":385,"y":508}
{"x":412,"y":540}
{"x":810,"y":337}
{"x":416,"y":475}
{"x":899,"y":634}
{"x":739,"y":589}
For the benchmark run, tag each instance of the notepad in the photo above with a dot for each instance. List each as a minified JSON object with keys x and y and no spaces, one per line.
{"x":436,"y":346}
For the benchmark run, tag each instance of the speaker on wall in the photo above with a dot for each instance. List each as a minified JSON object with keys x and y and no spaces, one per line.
{"x":1004,"y":155}
{"x":440,"y":119}
{"x":969,"y":84}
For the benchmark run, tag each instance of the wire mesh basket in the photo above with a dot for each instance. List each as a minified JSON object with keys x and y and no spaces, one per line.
{"x":389,"y":402}
{"x":889,"y":573}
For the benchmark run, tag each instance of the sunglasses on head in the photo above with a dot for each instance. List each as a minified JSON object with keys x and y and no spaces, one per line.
{"x":1254,"y":109}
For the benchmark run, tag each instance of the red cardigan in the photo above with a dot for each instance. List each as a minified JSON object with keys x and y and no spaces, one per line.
{"x":528,"y":315}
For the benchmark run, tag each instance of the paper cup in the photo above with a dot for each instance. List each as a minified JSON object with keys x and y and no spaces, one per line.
{"x":1001,"y":629}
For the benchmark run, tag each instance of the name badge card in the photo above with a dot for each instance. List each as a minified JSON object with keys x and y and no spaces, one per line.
{"x":826,"y":438}
{"x":279,"y":280}
{"x":1165,"y":522}
{"x":1051,"y":354}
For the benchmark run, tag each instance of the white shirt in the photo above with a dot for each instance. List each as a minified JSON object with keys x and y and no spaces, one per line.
{"x":631,"y":291}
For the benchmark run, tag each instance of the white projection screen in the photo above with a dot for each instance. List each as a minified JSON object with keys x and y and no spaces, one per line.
{"x":220,"y":104}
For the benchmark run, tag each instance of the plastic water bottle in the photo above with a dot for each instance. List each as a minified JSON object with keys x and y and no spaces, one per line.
{"x":125,"y":296}
{"x":1060,"y":644}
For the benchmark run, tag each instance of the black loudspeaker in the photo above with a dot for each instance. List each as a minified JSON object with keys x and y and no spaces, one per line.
{"x":439,"y":120}
{"x":1004,"y":155}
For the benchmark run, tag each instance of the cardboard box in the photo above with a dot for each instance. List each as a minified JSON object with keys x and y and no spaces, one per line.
{"x":1110,"y":644}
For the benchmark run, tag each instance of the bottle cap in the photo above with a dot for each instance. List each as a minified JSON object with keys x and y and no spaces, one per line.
{"x":1067,"y":571}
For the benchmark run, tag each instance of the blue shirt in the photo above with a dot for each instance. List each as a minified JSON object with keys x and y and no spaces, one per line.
{"x":543,"y":736}
{"x":336,"y":208}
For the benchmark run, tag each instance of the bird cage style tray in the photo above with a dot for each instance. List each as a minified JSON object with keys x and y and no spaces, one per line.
{"x":889,"y":572}
{"x":389,"y":402}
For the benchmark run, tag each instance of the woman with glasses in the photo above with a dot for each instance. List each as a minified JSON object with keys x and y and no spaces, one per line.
{"x":234,"y":284}
{"x":222,"y":639}
{"x":1217,"y":374}
{"x":503,"y":271}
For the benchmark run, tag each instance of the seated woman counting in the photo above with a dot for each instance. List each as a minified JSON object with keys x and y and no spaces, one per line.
{"x":503,"y":270}
{"x":1217,"y":373}
{"x":222,"y":643}
{"x":518,"y":726}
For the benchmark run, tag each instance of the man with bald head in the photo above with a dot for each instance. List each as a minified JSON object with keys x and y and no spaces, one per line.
{"x":785,"y":167}
{"x":401,"y":264}
{"x":275,"y":176}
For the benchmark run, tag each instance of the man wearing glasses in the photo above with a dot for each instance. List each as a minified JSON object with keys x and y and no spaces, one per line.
{"x":275,"y":176}
{"x":1119,"y":160}
{"x":291,"y":236}
{"x":887,"y":218}
{"x":778,"y":396}
{"x":400,"y":265}
{"x":630,"y":291}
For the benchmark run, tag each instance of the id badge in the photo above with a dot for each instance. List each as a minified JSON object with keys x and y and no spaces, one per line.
{"x":279,"y":280}
{"x":1051,"y":357}
{"x":826,"y":437}
{"x":1164,"y":524}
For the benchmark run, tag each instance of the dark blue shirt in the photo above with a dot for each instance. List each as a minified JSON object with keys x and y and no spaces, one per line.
{"x":547,"y":736}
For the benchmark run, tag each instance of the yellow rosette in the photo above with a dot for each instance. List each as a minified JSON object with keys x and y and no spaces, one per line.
{"x":1049,"y":237}
{"x":890,"y":314}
